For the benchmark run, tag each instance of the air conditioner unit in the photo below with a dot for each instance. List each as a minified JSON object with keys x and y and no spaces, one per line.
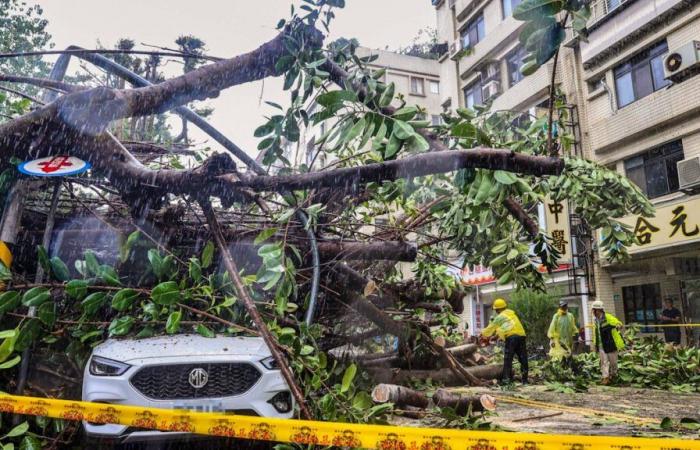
{"x":455,"y":49}
{"x":683,"y":60}
{"x":689,"y":174}
{"x":491,"y":89}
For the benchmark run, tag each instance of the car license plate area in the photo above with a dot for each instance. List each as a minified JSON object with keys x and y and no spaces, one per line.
{"x":208,"y":406}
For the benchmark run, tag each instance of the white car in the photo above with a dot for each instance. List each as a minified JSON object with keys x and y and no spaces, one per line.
{"x":234,"y":375}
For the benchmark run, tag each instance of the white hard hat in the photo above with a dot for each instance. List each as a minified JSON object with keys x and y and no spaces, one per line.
{"x":597,"y":305}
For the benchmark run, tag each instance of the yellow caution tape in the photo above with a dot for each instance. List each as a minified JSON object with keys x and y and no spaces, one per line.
{"x":641,"y":325}
{"x":380,"y":437}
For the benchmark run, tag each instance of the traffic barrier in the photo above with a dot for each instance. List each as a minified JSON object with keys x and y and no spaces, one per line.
{"x":380,"y":437}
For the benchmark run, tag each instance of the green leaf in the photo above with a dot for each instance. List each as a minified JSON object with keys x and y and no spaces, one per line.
{"x":264,"y":235}
{"x":93,"y":266}
{"x":123,"y":299}
{"x":36,"y":296}
{"x":128,"y":245}
{"x":666,"y":423}
{"x":156,"y":262}
{"x":362,"y":401}
{"x":121,"y":326}
{"x":77,"y":289}
{"x":167,"y":293}
{"x":535,"y":9}
{"x":204,"y":331}
{"x":504,"y":177}
{"x":43,"y":258}
{"x":11,"y":363}
{"x":464,"y":130}
{"x":356,"y":130}
{"x":9,"y":301}
{"x":47,"y":314}
{"x":59,"y":269}
{"x":19,"y":430}
{"x":146,"y":332}
{"x":388,"y":95}
{"x":406,"y":113}
{"x":335,"y":97}
{"x":30,"y":443}
{"x":392,"y":147}
{"x":93,"y":302}
{"x":195,"y":269}
{"x":173,"y":324}
{"x":348,"y":377}
{"x":306,"y":350}
{"x":8,"y":345}
{"x":402,"y":130}
{"x":207,"y":254}
{"x":690,"y":423}
{"x":109,"y":275}
{"x":28,"y":334}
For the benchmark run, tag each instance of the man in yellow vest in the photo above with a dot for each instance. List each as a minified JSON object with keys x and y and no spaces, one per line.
{"x":561,"y":333}
{"x":607,"y":340}
{"x":508,"y":328}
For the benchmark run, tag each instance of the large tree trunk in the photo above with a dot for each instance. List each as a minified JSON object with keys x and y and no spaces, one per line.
{"x":400,"y":396}
{"x":463,"y":404}
{"x":443,"y":376}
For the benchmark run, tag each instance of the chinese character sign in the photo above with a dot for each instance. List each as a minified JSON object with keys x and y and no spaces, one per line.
{"x":557,"y":216}
{"x":671,"y":225}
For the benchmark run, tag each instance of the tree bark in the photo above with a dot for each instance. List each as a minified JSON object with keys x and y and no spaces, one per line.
{"x":444,"y":376}
{"x":382,"y":250}
{"x":252,"y":310}
{"x":463,"y":350}
{"x":464,"y":404}
{"x":400,"y":396}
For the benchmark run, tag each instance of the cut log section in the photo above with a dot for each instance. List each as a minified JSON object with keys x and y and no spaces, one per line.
{"x":443,"y":376}
{"x":464,"y":404}
{"x":462,"y":351}
{"x":400,"y":396}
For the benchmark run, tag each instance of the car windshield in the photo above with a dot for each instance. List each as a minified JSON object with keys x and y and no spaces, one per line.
{"x":385,"y":219}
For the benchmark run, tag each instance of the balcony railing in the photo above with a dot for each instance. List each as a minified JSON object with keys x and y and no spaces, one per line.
{"x":601,"y":8}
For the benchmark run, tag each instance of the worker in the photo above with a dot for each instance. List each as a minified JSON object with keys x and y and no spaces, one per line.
{"x":607,"y":340}
{"x":561,"y":333}
{"x":671,"y":316}
{"x":507,"y":327}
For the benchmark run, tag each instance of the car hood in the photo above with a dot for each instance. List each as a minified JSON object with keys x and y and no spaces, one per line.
{"x":126,"y":350}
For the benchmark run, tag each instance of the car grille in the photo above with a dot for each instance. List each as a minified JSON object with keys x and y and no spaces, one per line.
{"x":172,"y":382}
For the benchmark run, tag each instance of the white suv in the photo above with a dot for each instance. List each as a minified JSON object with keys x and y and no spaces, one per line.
{"x":234,"y":375}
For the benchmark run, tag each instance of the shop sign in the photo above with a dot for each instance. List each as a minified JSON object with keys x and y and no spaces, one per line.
{"x":54,"y":166}
{"x":557,"y":218}
{"x":672,"y":224}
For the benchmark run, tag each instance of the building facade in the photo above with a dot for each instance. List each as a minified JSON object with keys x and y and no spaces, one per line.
{"x":628,"y":115}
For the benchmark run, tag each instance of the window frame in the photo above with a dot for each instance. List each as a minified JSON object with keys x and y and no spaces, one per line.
{"x":635,"y":67}
{"x":639,"y":166}
{"x":512,"y":4}
{"x":421,"y":84}
{"x":512,"y":67}
{"x":435,"y":83}
{"x":476,"y":25}
{"x":474,"y":86}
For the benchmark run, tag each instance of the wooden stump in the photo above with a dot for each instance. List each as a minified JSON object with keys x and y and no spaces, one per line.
{"x":399,"y":395}
{"x":464,"y":404}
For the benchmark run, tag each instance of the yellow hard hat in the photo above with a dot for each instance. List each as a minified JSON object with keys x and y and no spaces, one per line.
{"x":499,"y":303}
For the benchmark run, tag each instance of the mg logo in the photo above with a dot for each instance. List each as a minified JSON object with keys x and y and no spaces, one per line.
{"x":198,"y":378}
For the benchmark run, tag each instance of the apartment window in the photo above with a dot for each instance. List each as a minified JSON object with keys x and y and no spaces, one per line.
{"x":417,"y":86}
{"x":473,"y":94}
{"x":655,"y":171}
{"x":509,"y":6}
{"x":436,"y":120}
{"x":514,"y":61}
{"x":642,"y":303}
{"x":641,"y":75}
{"x":434,"y":87}
{"x":474,"y":32}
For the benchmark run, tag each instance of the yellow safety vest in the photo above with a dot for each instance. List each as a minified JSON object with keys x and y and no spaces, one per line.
{"x":504,"y":325}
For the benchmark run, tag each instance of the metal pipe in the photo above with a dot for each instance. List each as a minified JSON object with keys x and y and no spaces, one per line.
{"x":137,"y":80}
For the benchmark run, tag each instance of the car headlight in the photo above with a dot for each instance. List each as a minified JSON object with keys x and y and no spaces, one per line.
{"x":104,"y":367}
{"x":270,"y":363}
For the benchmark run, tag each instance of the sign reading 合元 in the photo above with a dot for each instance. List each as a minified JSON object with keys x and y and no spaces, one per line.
{"x":54,"y":166}
{"x":673,"y":224}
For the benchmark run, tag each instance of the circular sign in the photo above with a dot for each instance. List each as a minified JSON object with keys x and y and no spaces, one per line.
{"x":54,"y":166}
